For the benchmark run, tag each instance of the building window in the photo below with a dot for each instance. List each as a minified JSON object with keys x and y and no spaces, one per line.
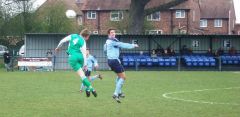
{"x":183,"y":31}
{"x":118,"y":32}
{"x":154,"y":17}
{"x":116,"y":15}
{"x":180,"y":13}
{"x":154,"y":32}
{"x":91,"y":15}
{"x":79,"y":20}
{"x":238,"y":32}
{"x":203,"y":23}
{"x":217,"y":23}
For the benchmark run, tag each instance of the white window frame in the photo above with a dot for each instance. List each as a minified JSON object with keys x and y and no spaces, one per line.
{"x":91,"y":15}
{"x":118,"y":13}
{"x":203,"y":23}
{"x":218,"y":23}
{"x":183,"y":31}
{"x":151,"y":17}
{"x":154,"y":32}
{"x":180,"y":13}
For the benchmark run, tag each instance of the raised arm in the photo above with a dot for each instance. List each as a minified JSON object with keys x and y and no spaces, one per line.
{"x":125,"y":45}
{"x":64,"y":40}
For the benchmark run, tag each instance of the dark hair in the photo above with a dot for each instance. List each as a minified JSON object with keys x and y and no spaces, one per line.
{"x":109,"y":30}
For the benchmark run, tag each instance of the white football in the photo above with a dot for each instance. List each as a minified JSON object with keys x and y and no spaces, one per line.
{"x":71,"y":14}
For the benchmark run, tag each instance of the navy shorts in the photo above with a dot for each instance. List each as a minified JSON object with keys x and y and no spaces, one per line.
{"x":87,"y":73}
{"x":115,"y":65}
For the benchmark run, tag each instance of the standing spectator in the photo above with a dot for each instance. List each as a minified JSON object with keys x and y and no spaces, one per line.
{"x":49,"y":55}
{"x":7,"y":60}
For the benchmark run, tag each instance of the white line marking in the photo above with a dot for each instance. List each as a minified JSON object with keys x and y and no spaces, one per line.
{"x":166,"y":95}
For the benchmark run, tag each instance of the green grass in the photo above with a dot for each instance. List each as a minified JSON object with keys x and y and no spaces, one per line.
{"x":55,"y":94}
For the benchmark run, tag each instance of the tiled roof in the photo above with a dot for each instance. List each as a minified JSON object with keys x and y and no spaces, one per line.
{"x":106,"y":5}
{"x":117,"y":4}
{"x":215,"y":8}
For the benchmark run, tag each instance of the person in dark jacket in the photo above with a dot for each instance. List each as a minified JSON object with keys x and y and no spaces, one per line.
{"x":7,"y":60}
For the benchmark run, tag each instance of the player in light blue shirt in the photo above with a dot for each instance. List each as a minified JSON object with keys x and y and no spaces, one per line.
{"x":92,"y":63}
{"x":112,"y":49}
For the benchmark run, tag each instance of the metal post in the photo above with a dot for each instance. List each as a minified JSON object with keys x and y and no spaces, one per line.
{"x":220,"y":63}
{"x":180,"y":55}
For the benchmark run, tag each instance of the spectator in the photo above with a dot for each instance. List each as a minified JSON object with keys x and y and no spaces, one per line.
{"x":165,"y":52}
{"x":184,"y":50}
{"x":219,"y":52}
{"x":153,"y":54}
{"x":49,"y":55}
{"x":168,"y":50}
{"x":190,"y":51}
{"x":159,"y":51}
{"x":232,"y":51}
{"x":172,"y":52}
{"x":141,"y":55}
{"x":7,"y":60}
{"x":209,"y":52}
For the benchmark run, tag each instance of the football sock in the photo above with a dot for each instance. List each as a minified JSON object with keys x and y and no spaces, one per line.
{"x":93,"y":78}
{"x":118,"y":86}
{"x":82,"y":87}
{"x":87,"y":83}
{"x":116,"y":81}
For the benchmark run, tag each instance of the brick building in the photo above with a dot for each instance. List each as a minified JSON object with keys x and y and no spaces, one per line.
{"x":191,"y":17}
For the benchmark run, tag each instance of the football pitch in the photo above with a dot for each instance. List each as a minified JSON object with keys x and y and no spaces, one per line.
{"x":148,"y":94}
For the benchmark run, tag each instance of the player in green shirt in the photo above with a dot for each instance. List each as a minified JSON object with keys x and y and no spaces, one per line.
{"x":77,"y":56}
